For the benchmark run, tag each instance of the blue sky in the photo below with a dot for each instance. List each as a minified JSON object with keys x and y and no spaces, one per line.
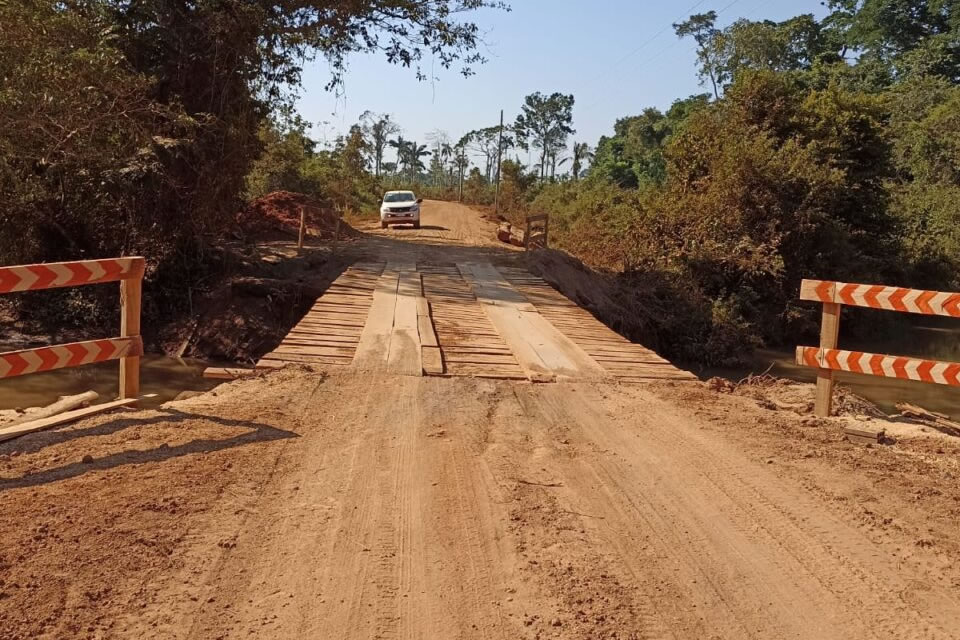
{"x":615,"y":56}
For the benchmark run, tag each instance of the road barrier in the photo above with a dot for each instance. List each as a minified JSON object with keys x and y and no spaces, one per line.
{"x":538,"y":239}
{"x":827,"y":358}
{"x":127,"y":347}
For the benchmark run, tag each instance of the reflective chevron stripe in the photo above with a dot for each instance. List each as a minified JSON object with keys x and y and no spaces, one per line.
{"x":18,"y":363}
{"x":34,"y":277}
{"x":880,"y":365}
{"x":936,"y":303}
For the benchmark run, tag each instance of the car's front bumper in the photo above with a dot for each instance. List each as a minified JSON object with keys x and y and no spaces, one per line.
{"x":400,"y":218}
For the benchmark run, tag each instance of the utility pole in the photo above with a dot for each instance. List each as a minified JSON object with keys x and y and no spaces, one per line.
{"x":496,"y":198}
{"x":461,"y":163}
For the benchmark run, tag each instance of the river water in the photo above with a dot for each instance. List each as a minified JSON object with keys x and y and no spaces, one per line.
{"x":160,"y":375}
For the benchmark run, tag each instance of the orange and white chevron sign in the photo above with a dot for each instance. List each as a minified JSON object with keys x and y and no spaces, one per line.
{"x":33,"y":277}
{"x":880,"y":365}
{"x":18,"y":363}
{"x":938,"y":303}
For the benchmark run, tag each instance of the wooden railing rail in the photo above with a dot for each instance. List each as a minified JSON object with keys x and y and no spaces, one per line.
{"x":127,"y":347}
{"x":827,"y":358}
{"x":542,"y":224}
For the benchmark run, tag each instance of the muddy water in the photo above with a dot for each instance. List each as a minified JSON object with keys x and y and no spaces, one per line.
{"x":934,"y":342}
{"x":160,"y":375}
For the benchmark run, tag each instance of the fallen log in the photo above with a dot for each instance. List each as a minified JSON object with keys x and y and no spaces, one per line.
{"x":7,"y":433}
{"x":914,"y":412}
{"x":64,"y":403}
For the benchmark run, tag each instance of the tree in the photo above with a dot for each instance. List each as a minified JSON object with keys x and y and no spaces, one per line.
{"x":792,"y":45}
{"x":143,"y":118}
{"x":545,"y":122}
{"x":907,"y":35}
{"x":377,"y":128}
{"x":401,"y":146}
{"x":581,"y":153}
{"x":414,"y":161}
{"x":484,"y":142}
{"x":701,"y":27}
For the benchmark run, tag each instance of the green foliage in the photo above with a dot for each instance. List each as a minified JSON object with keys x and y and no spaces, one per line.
{"x":545,"y":123}
{"x":910,"y":36}
{"x":633,"y":157}
{"x":926,"y":129}
{"x":133,"y":127}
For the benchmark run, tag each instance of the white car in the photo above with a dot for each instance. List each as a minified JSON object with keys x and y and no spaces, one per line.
{"x":400,"y":207}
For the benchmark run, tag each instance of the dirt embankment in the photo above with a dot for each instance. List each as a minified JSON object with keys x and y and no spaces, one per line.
{"x":264,"y":284}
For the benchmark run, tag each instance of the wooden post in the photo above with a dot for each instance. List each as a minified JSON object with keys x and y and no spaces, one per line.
{"x":829,"y":332}
{"x":496,"y":197}
{"x":546,"y":228}
{"x":526,"y":236}
{"x":130,"y":293}
{"x":303,"y":226}
{"x":336,"y":233}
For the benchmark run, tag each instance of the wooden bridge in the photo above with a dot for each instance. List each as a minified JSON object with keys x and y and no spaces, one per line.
{"x":463,"y":319}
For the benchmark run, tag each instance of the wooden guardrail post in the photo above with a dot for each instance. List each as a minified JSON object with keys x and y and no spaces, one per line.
{"x":303,"y":226}
{"x":131,"y":290}
{"x":336,"y":230}
{"x":829,"y":334}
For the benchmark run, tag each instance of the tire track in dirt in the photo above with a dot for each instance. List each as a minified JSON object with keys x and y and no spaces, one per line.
{"x":843,"y":552}
{"x":744,"y":546}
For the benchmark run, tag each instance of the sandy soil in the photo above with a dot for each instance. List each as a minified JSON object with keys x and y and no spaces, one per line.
{"x":310,"y":504}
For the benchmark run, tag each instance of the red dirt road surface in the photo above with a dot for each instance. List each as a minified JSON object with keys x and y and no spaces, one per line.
{"x":344,"y":504}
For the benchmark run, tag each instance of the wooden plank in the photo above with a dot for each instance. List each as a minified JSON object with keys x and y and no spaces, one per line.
{"x":423,"y":307}
{"x":322,"y":339}
{"x":53,"y":275}
{"x":432,"y":360}
{"x":479,"y":358}
{"x":227,"y":373}
{"x":920,"y":301}
{"x":314,"y":350}
{"x":428,"y":338}
{"x":26,"y":361}
{"x":885,"y":366}
{"x":303,"y":359}
{"x":405,"y":347}
{"x":63,"y":418}
{"x":538,"y":218}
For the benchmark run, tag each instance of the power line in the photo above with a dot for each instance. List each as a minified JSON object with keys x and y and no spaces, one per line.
{"x":663,"y":49}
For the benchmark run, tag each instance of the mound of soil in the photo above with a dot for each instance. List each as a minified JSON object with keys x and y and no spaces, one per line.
{"x":279,"y":212}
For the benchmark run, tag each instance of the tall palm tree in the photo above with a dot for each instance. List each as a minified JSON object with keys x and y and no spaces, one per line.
{"x":401,"y":146}
{"x":446,"y":152}
{"x":581,"y":153}
{"x":414,"y":153}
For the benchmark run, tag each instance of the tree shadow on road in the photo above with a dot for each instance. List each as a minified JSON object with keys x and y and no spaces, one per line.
{"x":257,"y":433}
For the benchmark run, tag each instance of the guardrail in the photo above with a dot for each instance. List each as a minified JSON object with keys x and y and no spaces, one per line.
{"x":538,"y":241}
{"x":827,"y":358}
{"x":127,"y":347}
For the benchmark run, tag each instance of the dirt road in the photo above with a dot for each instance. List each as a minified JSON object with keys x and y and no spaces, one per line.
{"x":337,"y":504}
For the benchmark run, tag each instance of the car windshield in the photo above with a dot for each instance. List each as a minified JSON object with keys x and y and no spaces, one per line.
{"x":406,"y":196}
